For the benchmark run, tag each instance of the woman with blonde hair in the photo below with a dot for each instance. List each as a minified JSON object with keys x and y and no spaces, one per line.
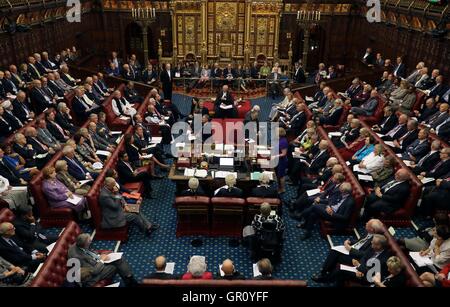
{"x":396,"y":277}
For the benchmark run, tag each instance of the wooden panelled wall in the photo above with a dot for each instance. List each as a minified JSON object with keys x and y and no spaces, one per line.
{"x":51,"y":37}
{"x":391,"y":41}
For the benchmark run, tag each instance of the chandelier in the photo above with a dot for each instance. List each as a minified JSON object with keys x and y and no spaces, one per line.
{"x":308,"y":17}
{"x":143,"y":12}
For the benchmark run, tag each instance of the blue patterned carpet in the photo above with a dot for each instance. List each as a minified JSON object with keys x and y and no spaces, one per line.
{"x":300,"y":259}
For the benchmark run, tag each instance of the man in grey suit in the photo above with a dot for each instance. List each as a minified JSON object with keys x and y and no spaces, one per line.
{"x":45,"y":136}
{"x":93,"y":262}
{"x":368,"y":107}
{"x":115,"y":211}
{"x":99,"y":142}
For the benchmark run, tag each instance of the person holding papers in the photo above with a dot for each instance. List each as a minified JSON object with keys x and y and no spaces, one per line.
{"x":359,"y":269}
{"x":84,"y":149}
{"x":344,"y":254}
{"x":121,"y":107}
{"x":137,"y":157}
{"x":229,"y":189}
{"x":142,"y":140}
{"x":364,"y":151}
{"x":410,"y":136}
{"x":154,"y":117}
{"x":440,"y":169}
{"x":99,"y":264}
{"x":396,"y":277}
{"x":373,"y":161}
{"x":75,"y":186}
{"x":438,"y":251}
{"x":338,"y":211}
{"x":389,"y":197}
{"x":224,"y":104}
{"x":16,"y":197}
{"x":194,"y":189}
{"x":29,"y":153}
{"x":160,"y":270}
{"x":117,"y":213}
{"x":59,"y":196}
{"x":100,"y":142}
{"x":29,"y":231}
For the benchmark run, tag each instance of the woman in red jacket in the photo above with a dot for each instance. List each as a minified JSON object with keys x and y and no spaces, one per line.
{"x":442,"y":279}
{"x":197,"y":269}
{"x":349,"y":150}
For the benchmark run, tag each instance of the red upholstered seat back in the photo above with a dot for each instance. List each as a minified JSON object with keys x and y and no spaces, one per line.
{"x":224,"y":283}
{"x":227,"y":216}
{"x":341,"y":120}
{"x":243,"y":108}
{"x":193,"y":215}
{"x":53,"y":272}
{"x":420,"y":100}
{"x":254,"y":204}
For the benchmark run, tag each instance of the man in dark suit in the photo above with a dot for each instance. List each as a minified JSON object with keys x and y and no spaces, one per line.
{"x":311,"y":164}
{"x":379,"y":251}
{"x":131,"y":94}
{"x":332,"y":117}
{"x":399,"y":130}
{"x":439,"y":117}
{"x":116,"y":212}
{"x":229,"y":271}
{"x":160,"y":266}
{"x":9,"y":116}
{"x":32,"y":69}
{"x":356,"y":250}
{"x":30,"y":233}
{"x":298,"y":121}
{"x":443,"y":130}
{"x":64,"y":119}
{"x":94,"y":263}
{"x":224,"y":104}
{"x":417,"y":149}
{"x":55,"y":129}
{"x":21,"y":109}
{"x":428,"y":110}
{"x":166,"y":78}
{"x":439,"y":89}
{"x":14,"y":251}
{"x":428,"y":161}
{"x":264,"y":189}
{"x":194,"y":189}
{"x":388,"y":122}
{"x":8,"y":84}
{"x":299,"y":73}
{"x":5,"y":127}
{"x":39,"y":147}
{"x":441,"y":169}
{"x":40,"y":99}
{"x":128,"y":174}
{"x":337,"y":211}
{"x":216,"y":73}
{"x":229,"y":190}
{"x":368,"y":57}
{"x":389,"y":197}
{"x":128,"y":73}
{"x":402,"y":143}
{"x":368,"y":107}
{"x":350,"y":134}
{"x":400,"y":69}
{"x":76,"y":168}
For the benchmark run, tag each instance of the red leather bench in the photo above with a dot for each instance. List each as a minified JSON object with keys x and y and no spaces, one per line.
{"x":276,"y":283}
{"x":341,"y":121}
{"x":193,"y":215}
{"x":227,"y":216}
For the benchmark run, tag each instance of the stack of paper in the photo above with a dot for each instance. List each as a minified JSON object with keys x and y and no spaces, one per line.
{"x":380,"y":135}
{"x":348,"y":268}
{"x":24,"y":188}
{"x":50,"y":247}
{"x":420,"y":260}
{"x":113,"y":257}
{"x":427,"y":179}
{"x":149,"y":156}
{"x":256,"y":271}
{"x":189,"y":172}
{"x":170,"y":266}
{"x":365,"y":177}
{"x":389,"y":143}
{"x":97,"y":165}
{"x":103,"y":153}
{"x":264,"y":152}
{"x":336,"y":134}
{"x":313,"y":192}
{"x":223,"y":174}
{"x":149,"y":146}
{"x":74,"y":200}
{"x":341,"y":249}
{"x":114,"y":285}
{"x":201,"y":173}
{"x":307,"y":98}
{"x":156,"y":140}
{"x":356,"y":168}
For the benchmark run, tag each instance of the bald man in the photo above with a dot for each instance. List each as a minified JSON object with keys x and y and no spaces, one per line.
{"x":160,"y":267}
{"x":228,"y":272}
{"x":390,"y":197}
